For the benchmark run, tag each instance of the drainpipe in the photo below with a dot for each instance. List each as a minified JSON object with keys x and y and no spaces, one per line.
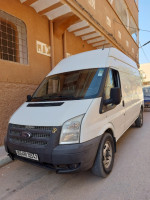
{"x":52,"y":43}
{"x":64,"y":45}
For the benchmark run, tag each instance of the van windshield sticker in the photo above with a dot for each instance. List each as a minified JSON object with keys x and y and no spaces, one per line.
{"x":100,"y":73}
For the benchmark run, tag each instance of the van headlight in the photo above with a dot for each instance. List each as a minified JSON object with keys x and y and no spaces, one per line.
{"x":70,"y":133}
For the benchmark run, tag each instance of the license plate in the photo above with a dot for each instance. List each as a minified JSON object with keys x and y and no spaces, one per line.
{"x":27,"y":155}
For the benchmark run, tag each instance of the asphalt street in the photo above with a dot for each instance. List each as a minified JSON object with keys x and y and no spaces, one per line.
{"x":129,"y":180}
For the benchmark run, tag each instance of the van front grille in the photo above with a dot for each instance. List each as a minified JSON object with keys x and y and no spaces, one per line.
{"x":29,"y":135}
{"x":20,"y":141}
{"x":34,"y":135}
{"x":44,"y":128}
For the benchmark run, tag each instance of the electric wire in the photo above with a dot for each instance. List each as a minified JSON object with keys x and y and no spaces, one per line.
{"x":132,"y":27}
{"x":144,"y":53}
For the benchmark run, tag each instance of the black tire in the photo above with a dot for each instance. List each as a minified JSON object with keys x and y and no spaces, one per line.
{"x":139,"y":121}
{"x":99,"y":168}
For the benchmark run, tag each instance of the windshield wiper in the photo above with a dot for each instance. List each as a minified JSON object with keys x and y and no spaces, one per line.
{"x":59,"y":97}
{"x":62,"y":97}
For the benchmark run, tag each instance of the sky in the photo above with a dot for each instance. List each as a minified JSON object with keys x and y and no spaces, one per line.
{"x":144,"y":23}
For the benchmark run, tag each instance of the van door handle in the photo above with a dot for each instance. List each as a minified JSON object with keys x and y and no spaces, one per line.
{"x":123,"y":103}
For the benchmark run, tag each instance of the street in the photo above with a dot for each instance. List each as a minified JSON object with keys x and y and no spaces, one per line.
{"x":129,"y":180}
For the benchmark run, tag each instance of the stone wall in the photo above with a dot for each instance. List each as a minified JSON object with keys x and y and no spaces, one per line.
{"x":12,"y":95}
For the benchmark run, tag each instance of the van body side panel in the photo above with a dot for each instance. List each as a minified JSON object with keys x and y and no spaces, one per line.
{"x":132,"y":96}
{"x":131,"y":91}
{"x":92,"y":122}
{"x":116,"y":117}
{"x":95,"y":124}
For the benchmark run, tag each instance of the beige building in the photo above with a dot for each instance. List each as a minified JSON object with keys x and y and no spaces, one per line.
{"x":36,"y":34}
{"x":145,"y":73}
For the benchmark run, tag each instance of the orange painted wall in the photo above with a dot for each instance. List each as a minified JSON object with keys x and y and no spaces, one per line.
{"x":76,"y":44}
{"x":37,"y":29}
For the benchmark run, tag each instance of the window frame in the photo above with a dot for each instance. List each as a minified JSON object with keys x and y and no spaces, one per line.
{"x":109,"y":107}
{"x":20,"y":55}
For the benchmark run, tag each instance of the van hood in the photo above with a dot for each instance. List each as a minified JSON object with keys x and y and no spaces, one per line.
{"x":49,"y":113}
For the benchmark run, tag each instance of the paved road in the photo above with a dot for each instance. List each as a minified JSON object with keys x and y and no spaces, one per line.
{"x":129,"y":180}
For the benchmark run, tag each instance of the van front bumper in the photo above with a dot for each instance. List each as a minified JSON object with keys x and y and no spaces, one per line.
{"x":61,"y":158}
{"x":78,"y":157}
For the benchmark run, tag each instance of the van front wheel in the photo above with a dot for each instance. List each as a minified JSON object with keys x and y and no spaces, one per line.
{"x":139,"y":121}
{"x":105,"y":157}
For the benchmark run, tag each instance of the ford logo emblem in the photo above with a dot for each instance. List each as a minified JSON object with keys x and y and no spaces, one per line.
{"x":26,"y":135}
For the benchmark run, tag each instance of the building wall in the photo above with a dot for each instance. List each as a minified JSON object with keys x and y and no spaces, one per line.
{"x":12,"y":95}
{"x":76,"y":44}
{"x":110,"y":22}
{"x":37,"y":29}
{"x":73,"y":45}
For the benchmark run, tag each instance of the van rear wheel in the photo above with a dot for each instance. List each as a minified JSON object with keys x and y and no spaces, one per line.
{"x":139,"y":121}
{"x":105,"y":157}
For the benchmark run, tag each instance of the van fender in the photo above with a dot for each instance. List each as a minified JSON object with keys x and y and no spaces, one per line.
{"x":105,"y":128}
{"x":109,"y":128}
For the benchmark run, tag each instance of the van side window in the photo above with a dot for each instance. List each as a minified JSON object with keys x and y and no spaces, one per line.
{"x":109,"y":84}
{"x":112,"y":81}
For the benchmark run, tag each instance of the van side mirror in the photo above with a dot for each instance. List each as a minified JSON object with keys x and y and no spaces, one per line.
{"x":29,"y":98}
{"x":115,"y":96}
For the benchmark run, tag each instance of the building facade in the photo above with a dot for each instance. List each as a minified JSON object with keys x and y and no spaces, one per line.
{"x":36,"y":34}
{"x":145,"y":73}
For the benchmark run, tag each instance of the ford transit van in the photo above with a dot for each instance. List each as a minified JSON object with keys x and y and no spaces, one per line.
{"x":75,"y":117}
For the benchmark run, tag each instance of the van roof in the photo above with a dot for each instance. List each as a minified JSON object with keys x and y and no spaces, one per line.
{"x":90,"y":59}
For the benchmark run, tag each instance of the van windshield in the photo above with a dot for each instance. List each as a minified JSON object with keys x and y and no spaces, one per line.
{"x":146,"y":91}
{"x":82,"y":84}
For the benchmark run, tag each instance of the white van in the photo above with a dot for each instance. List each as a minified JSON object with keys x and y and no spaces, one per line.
{"x":75,"y":117}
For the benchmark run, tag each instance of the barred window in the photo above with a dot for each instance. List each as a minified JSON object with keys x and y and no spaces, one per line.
{"x":13,"y":39}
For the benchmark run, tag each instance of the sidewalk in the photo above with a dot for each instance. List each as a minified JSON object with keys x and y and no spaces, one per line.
{"x":4,"y":159}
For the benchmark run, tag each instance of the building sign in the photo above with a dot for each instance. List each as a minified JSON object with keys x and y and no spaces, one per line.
{"x":42,"y":48}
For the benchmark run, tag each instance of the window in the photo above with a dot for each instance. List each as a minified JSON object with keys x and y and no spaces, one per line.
{"x":112,"y":81}
{"x":13,"y":39}
{"x":109,"y":84}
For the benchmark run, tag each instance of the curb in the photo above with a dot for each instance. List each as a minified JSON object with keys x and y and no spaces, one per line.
{"x":5,"y":160}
